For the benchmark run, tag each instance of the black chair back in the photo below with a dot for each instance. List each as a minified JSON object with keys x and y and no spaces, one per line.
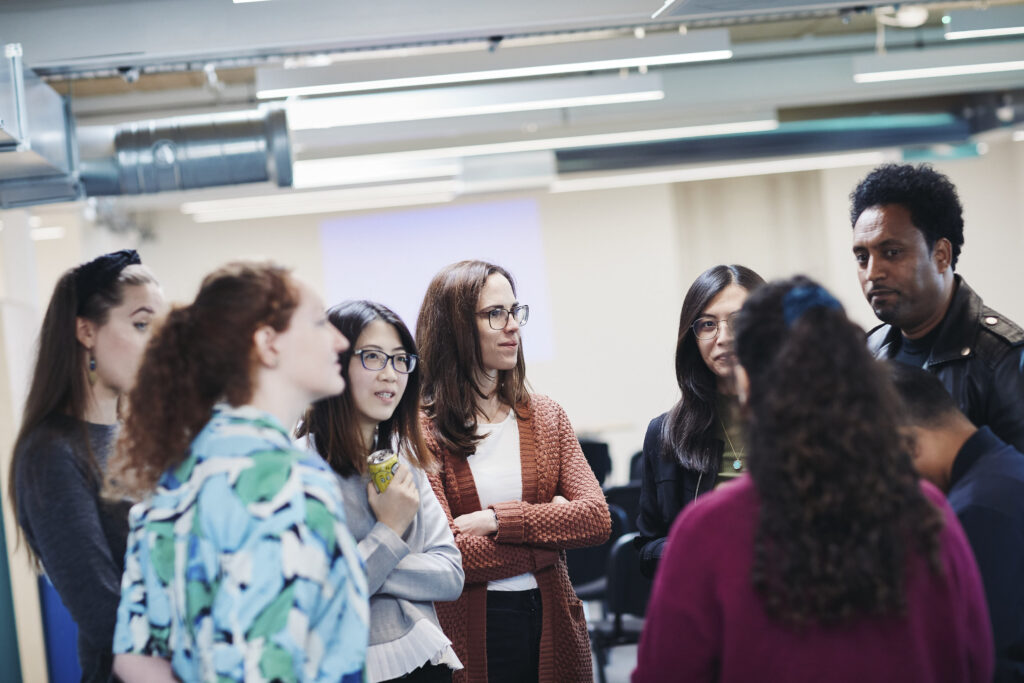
{"x":628,"y":589}
{"x":636,"y":467}
{"x":626,"y":497}
{"x":599,"y":457}
{"x":587,"y":565}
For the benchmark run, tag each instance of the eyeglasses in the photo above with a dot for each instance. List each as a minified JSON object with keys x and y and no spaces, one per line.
{"x":708,"y":328}
{"x":497,"y":318}
{"x":378,"y":360}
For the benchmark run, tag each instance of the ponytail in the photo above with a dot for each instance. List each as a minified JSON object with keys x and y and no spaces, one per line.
{"x":201,"y":355}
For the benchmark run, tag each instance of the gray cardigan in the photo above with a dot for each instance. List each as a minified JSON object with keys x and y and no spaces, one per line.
{"x":406,"y":574}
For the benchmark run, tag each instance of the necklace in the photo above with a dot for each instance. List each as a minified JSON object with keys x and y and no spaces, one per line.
{"x":737,"y":464}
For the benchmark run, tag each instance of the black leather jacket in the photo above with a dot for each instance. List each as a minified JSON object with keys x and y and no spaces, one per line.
{"x":979,"y":356}
{"x":667,"y":487}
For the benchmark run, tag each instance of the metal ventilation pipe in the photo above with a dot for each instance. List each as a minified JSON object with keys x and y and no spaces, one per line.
{"x":186,"y":152}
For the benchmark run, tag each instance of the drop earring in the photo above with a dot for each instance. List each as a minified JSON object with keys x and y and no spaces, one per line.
{"x":92,"y":369}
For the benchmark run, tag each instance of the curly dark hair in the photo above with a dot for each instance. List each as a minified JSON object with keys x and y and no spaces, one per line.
{"x":203,"y":353}
{"x":928,"y":195}
{"x":840,"y":503}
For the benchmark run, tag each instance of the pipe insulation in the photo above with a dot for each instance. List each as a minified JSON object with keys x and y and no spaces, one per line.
{"x":186,"y":152}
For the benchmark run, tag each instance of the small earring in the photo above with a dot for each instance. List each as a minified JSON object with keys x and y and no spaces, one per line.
{"x":92,"y":369}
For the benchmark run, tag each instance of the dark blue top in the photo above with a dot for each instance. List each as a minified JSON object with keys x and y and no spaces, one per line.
{"x":987,"y":494}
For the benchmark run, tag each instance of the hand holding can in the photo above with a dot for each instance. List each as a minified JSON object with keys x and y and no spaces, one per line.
{"x":383,"y":465}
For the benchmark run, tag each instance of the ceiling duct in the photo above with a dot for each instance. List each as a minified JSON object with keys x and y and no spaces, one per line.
{"x":36,"y":137}
{"x":187,"y":152}
{"x":44,"y":159}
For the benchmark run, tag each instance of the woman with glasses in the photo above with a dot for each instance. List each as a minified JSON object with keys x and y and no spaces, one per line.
{"x":698,"y":444}
{"x":97,"y":324}
{"x":831,"y":560}
{"x":513,"y":480}
{"x":403,"y":534}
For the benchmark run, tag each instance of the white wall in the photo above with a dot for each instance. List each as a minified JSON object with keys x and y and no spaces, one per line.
{"x":619,"y":262}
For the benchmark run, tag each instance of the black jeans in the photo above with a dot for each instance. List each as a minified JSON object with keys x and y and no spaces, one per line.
{"x":513,"y":636}
{"x":428,"y":673}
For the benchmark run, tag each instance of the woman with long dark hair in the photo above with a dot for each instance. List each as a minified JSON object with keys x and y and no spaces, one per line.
{"x":831,"y":561}
{"x":403,"y":534}
{"x":698,"y":444}
{"x":513,"y":480}
{"x":94,"y":332}
{"x":239,"y":565}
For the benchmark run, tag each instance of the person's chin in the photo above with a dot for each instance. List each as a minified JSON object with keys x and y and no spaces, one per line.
{"x":887,"y":314}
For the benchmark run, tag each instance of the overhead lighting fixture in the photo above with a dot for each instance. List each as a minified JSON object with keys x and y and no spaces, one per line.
{"x":493,"y":98}
{"x":577,"y":141}
{"x":241,"y":2}
{"x":322,"y":201}
{"x":937,"y":63}
{"x":342,"y":171}
{"x":503,"y":63}
{"x":1018,"y":136}
{"x":53,"y":232}
{"x":728,"y":170}
{"x":985,"y":23}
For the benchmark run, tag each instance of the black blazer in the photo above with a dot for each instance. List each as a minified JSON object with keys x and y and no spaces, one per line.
{"x":666,"y":488}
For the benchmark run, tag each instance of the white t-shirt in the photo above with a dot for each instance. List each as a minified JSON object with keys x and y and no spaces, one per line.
{"x":498,"y":474}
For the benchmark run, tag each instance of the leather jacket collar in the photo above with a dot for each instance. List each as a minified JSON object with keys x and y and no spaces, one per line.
{"x":958,"y":331}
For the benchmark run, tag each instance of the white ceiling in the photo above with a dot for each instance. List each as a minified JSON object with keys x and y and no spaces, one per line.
{"x":791,"y":59}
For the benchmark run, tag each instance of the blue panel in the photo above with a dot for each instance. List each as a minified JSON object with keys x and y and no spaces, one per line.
{"x":60,"y":634}
{"x":390,"y":257}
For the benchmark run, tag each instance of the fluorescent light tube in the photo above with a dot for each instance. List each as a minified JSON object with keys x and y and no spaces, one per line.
{"x":938,"y":71}
{"x":719,"y":171}
{"x":53,"y":232}
{"x":937,"y":63}
{"x":575,"y":141}
{"x":504,"y":63}
{"x":321,"y":201}
{"x":324,"y":207}
{"x":436,"y":103}
{"x":985,"y":23}
{"x":343,"y":171}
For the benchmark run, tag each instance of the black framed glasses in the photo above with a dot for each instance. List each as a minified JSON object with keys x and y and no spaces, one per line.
{"x":706,"y":327}
{"x":497,"y":318}
{"x":375,"y":360}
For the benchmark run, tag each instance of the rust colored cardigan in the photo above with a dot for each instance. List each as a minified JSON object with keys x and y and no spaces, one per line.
{"x":531,"y":536}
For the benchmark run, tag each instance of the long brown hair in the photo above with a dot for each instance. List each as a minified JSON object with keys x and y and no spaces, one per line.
{"x":332,"y":422}
{"x":688,"y":431}
{"x":449,"y":343}
{"x":202,"y":354}
{"x":60,"y":382}
{"x":841,"y":510}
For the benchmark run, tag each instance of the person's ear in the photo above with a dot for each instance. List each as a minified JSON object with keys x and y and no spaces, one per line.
{"x":85,"y":332}
{"x":265,"y":342}
{"x":942,"y":254}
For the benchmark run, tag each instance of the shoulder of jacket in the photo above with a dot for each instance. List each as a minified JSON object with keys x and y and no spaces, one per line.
{"x":1001,"y":327}
{"x":543,"y":407}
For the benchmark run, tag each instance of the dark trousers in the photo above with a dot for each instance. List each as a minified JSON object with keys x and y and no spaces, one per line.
{"x":428,"y":673}
{"x":513,"y":636}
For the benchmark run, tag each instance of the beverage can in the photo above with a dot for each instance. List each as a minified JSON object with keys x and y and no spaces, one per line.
{"x":383,"y":465}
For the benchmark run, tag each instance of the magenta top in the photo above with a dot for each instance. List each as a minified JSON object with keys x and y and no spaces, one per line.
{"x":706,"y":623}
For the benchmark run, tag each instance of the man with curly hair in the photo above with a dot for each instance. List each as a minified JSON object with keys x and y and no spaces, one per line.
{"x":908,"y":230}
{"x":983,"y":478}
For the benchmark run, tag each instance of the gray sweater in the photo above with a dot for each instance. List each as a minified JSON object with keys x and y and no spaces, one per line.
{"x":79,"y":538}
{"x":404,"y":574}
